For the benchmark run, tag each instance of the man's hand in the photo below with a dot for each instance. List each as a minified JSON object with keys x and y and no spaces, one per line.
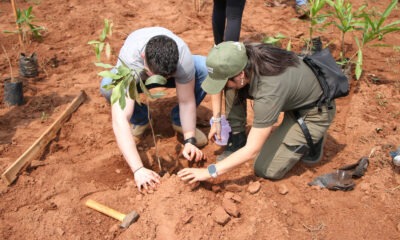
{"x":215,"y":131}
{"x":146,"y":179}
{"x":194,"y":174}
{"x":191,"y":152}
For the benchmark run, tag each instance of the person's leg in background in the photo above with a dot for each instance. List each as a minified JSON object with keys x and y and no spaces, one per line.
{"x":234,"y":13}
{"x":218,"y":20}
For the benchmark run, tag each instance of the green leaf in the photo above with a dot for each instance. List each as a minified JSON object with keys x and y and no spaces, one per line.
{"x":104,"y":65}
{"x":93,"y":42}
{"x":156,"y":79}
{"x":116,"y":94}
{"x":123,"y":71}
{"x":109,"y":74}
{"x":108,"y":51}
{"x":108,"y":87}
{"x":359,"y":64}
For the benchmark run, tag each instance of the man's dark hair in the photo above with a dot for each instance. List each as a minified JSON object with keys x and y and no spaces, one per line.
{"x":162,"y":55}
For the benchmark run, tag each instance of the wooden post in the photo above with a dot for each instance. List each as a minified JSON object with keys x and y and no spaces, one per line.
{"x":18,"y":25}
{"x":39,"y":145}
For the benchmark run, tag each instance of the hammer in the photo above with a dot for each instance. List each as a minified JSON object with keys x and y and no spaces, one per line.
{"x":125,"y":219}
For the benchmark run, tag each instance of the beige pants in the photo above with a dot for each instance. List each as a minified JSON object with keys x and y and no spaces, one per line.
{"x":277,"y":155}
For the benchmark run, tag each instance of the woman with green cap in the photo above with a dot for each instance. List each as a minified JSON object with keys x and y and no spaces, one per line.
{"x":277,"y":81}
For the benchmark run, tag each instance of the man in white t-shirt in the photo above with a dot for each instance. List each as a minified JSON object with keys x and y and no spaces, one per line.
{"x":156,"y":50}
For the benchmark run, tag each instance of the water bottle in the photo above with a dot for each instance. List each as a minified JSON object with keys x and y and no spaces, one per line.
{"x":225,"y":130}
{"x":396,"y":157}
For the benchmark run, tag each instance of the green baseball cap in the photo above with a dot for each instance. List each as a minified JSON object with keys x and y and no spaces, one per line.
{"x":224,"y":61}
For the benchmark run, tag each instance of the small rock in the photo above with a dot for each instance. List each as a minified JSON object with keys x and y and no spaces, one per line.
{"x":220,"y":216}
{"x":237,"y":198}
{"x":365,"y":187}
{"x":228,"y":195}
{"x":139,"y":197}
{"x":166,"y":175}
{"x":282,"y":189}
{"x":299,"y":34}
{"x":60,"y":231}
{"x":230,"y":207}
{"x":216,"y":188}
{"x":187,"y":219}
{"x":313,"y":201}
{"x":254,"y":187}
{"x":36,"y":163}
{"x":233,"y":188}
{"x":194,"y":186}
{"x":113,"y":228}
{"x":289,"y":222}
{"x":118,"y":171}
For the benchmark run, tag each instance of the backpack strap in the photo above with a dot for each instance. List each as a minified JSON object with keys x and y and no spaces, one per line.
{"x":305,"y":131}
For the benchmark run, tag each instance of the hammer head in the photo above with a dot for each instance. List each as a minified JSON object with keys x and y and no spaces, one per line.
{"x":129,"y":219}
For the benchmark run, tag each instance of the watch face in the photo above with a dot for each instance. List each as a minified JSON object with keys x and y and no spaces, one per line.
{"x":212,"y":170}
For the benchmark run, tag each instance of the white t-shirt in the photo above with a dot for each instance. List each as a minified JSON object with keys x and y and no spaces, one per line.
{"x":135,"y":44}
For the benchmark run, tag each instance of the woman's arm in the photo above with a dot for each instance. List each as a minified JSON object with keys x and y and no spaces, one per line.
{"x":216,"y":102}
{"x":255,"y":141}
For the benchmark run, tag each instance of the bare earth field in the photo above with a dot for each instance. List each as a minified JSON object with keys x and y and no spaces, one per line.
{"x":83,"y":162}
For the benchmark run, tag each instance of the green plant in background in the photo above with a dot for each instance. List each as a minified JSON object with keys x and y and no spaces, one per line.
{"x":373,"y":28}
{"x":25,"y":21}
{"x":345,"y":20}
{"x":100,"y":44}
{"x":277,"y":41}
{"x":316,"y":18}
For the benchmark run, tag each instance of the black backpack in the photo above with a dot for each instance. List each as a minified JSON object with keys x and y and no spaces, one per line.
{"x":333,"y":82}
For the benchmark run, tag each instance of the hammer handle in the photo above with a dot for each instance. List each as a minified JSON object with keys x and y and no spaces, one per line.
{"x":105,"y":210}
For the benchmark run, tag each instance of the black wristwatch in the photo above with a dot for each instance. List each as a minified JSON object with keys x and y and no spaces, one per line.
{"x":191,"y":140}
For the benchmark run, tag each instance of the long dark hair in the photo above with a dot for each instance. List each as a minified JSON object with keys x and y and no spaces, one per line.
{"x":267,"y":60}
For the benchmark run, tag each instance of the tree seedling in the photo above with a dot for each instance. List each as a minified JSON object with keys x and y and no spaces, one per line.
{"x":26,"y":27}
{"x":101,"y":44}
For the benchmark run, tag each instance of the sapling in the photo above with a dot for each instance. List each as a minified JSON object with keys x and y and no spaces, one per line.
{"x":346,"y":20}
{"x":100,"y":44}
{"x":276,"y":41}
{"x":25,"y":24}
{"x":316,"y":18}
{"x":373,"y":29}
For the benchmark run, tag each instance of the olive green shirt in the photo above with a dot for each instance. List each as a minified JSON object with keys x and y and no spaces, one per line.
{"x":295,"y":88}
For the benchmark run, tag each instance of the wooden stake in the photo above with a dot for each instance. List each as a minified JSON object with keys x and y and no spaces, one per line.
{"x":39,"y":145}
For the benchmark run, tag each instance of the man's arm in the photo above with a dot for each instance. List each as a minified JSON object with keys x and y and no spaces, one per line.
{"x":187,"y":108}
{"x":187,"y":113}
{"x":126,"y":143}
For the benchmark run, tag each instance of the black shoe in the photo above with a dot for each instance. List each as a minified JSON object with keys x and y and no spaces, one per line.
{"x":319,"y":150}
{"x":235,"y":142}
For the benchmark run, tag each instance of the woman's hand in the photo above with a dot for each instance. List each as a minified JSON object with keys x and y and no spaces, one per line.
{"x":191,"y":152}
{"x":146,"y":179}
{"x":194,"y":174}
{"x":215,"y":131}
